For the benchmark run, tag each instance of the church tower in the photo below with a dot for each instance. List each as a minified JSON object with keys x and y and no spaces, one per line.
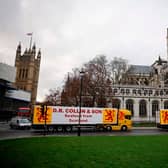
{"x":27,"y":70}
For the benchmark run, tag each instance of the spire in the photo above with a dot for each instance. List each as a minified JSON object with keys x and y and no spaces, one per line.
{"x":159,"y":61}
{"x":30,"y":34}
{"x":34,"y":49}
{"x":39,"y":54}
{"x":19,"y":46}
{"x":18,"y":54}
{"x":34,"y":46}
{"x":68,"y":80}
{"x":18,"y":51}
{"x":26,"y":51}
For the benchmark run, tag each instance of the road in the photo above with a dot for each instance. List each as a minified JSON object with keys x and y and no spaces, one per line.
{"x":7,"y":133}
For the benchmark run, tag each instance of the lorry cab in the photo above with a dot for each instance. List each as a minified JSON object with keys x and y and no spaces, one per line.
{"x":162,"y":119}
{"x":124,"y":121}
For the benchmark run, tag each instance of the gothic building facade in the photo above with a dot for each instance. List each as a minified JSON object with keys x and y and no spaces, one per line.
{"x":143,"y":90}
{"x":27,"y":70}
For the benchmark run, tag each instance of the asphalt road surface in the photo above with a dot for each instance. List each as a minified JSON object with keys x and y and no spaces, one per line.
{"x":7,"y":133}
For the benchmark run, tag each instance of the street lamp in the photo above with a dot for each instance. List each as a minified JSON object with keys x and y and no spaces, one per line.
{"x":80,"y":99}
{"x":149,"y":109}
{"x":161,"y":103}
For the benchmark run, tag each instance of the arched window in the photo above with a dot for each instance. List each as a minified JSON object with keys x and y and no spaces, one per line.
{"x":122,"y":91}
{"x":23,"y":73}
{"x":139,"y":92}
{"x":115,"y":91}
{"x":26,"y":75}
{"x":142,"y":108}
{"x":155,"y":107}
{"x":166,"y":104}
{"x":127,"y":91}
{"x":150,"y":92}
{"x":20,"y":72}
{"x":166,"y":92}
{"x":134,"y":91}
{"x":161,"y":92}
{"x":130,"y":106}
{"x":116,"y":103}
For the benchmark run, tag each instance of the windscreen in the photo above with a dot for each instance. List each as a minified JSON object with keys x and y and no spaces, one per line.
{"x":23,"y":110}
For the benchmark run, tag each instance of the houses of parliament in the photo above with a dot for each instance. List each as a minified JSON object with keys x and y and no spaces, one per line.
{"x":27,"y":70}
{"x":19,"y":83}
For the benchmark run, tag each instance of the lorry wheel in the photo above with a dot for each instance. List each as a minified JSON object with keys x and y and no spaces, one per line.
{"x":68,"y":128}
{"x":60,"y":129}
{"x":108,"y":128}
{"x":100,"y":129}
{"x":28,"y":128}
{"x":124,"y":128}
{"x":50,"y":129}
{"x":11,"y":126}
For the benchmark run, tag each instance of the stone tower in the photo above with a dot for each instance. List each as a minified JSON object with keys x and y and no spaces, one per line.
{"x":27,"y":70}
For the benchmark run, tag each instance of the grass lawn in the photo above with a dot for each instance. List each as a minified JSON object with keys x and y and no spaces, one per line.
{"x":144,"y":124}
{"x":85,"y":152}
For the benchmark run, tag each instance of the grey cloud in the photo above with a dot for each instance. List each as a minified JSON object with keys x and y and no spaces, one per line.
{"x":71,"y":32}
{"x":10,"y":16}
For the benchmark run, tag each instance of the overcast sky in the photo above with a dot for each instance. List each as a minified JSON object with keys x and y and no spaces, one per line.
{"x":72,"y":32}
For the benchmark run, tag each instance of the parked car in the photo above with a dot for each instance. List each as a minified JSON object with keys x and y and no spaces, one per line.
{"x":20,"y":123}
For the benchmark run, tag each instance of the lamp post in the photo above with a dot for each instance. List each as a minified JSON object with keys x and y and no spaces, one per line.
{"x":80,"y":99}
{"x":149,"y":109}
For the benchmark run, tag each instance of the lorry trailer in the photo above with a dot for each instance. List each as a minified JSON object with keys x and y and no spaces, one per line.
{"x":62,"y":118}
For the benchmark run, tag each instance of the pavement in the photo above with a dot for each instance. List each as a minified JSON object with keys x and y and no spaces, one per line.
{"x":5,"y":123}
{"x":138,"y":128}
{"x":7,"y":133}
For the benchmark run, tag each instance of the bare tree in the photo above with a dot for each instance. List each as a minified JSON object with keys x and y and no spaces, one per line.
{"x":97,"y":79}
{"x":97,"y":82}
{"x":70,"y":93}
{"x":118,"y":67}
{"x":53,"y":98}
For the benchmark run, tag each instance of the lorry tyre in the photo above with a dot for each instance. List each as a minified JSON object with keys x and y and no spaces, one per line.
{"x":101,"y":128}
{"x":11,"y":126}
{"x":50,"y":129}
{"x":27,"y":128}
{"x":60,"y":128}
{"x":124,"y":128}
{"x":68,"y":128}
{"x":108,"y":128}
